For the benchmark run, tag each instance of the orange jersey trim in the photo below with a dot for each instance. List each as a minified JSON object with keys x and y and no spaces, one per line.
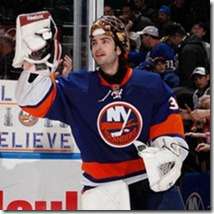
{"x":42,"y":109}
{"x":108,"y":170}
{"x":172,"y":125}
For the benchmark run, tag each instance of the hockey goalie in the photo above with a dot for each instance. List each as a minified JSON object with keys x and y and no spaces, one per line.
{"x":111,"y":111}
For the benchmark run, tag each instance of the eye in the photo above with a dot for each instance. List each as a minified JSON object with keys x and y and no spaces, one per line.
{"x":106,"y":41}
{"x":93,"y":43}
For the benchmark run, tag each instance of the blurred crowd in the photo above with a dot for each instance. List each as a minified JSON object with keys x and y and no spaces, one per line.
{"x":169,"y":37}
{"x":172,"y":38}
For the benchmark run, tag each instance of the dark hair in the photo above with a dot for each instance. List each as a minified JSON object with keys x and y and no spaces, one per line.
{"x":202,"y":25}
{"x":175,"y":28}
{"x":7,"y":40}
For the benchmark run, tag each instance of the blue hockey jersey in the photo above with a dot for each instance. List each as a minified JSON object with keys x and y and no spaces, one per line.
{"x":106,"y":119}
{"x":165,"y":51}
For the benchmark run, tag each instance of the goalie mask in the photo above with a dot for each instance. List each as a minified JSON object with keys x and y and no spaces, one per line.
{"x":114,"y":27}
{"x":36,"y":40}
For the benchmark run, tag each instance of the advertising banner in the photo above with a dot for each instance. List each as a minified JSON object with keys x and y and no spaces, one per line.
{"x":195,"y":190}
{"x":39,"y":161}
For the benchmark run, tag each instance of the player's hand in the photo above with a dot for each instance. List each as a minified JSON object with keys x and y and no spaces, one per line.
{"x":67,"y":66}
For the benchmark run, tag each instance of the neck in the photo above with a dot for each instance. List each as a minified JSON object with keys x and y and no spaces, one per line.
{"x":115,"y":77}
{"x":110,"y":69}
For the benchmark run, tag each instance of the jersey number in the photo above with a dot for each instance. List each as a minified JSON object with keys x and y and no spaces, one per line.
{"x":173,"y":104}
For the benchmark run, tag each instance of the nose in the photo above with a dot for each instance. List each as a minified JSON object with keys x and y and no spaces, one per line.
{"x":98,"y":48}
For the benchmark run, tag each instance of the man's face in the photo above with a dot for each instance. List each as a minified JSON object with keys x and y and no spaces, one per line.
{"x":175,"y":39}
{"x":198,"y":31}
{"x":162,"y":17}
{"x":146,"y":40}
{"x":104,"y":51}
{"x":160,"y":67}
{"x":108,"y":11}
{"x":139,"y":4}
{"x":126,"y":11}
{"x":200,"y":81}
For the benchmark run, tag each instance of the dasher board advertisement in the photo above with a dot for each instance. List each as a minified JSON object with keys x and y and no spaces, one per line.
{"x":39,"y":161}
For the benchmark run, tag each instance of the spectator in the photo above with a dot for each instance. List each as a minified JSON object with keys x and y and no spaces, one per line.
{"x":179,"y":12}
{"x":141,"y":8}
{"x":158,"y":65}
{"x":198,"y":11}
{"x":200,"y":30}
{"x":135,"y":55}
{"x":202,"y":137}
{"x":127,"y":16}
{"x":201,"y":80}
{"x":191,"y":52}
{"x":164,"y":18}
{"x":199,"y":137}
{"x":6,"y":45}
{"x":7,"y":71}
{"x":151,"y":40}
{"x":143,"y":15}
{"x":108,"y":10}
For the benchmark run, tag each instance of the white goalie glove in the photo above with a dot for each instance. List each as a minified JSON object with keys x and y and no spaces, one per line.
{"x":36,"y":41}
{"x":163,"y":161}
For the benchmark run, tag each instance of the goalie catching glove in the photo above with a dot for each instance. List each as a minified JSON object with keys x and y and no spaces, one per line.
{"x":36,"y":41}
{"x":163,"y":161}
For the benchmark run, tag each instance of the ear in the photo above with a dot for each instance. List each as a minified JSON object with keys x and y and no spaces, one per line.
{"x":118,"y":51}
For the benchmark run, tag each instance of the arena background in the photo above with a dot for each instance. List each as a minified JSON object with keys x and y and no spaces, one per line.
{"x":39,"y":161}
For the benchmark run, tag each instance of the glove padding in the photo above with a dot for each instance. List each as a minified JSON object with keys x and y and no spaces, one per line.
{"x":162,"y":161}
{"x":36,"y":40}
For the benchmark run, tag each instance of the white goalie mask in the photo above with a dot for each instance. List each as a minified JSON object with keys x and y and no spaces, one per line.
{"x":37,"y":40}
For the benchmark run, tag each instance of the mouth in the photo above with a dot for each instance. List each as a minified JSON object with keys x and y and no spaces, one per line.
{"x":99,"y":55}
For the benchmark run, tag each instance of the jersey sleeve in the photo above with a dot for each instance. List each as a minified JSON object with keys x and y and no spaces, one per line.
{"x":48,"y":97}
{"x":35,"y":93}
{"x":166,"y":119}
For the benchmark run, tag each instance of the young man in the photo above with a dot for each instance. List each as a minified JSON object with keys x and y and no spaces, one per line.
{"x":151,"y":40}
{"x":112,"y":111}
{"x":158,"y":65}
{"x":190,"y":49}
{"x":201,"y":79}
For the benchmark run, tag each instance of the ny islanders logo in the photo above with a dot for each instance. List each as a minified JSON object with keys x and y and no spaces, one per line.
{"x":119,"y":124}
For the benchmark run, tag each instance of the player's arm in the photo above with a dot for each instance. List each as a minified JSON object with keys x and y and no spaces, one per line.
{"x":35,"y":93}
{"x":38,"y":52}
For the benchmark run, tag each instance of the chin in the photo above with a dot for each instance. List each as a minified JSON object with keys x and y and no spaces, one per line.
{"x":99,"y":62}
